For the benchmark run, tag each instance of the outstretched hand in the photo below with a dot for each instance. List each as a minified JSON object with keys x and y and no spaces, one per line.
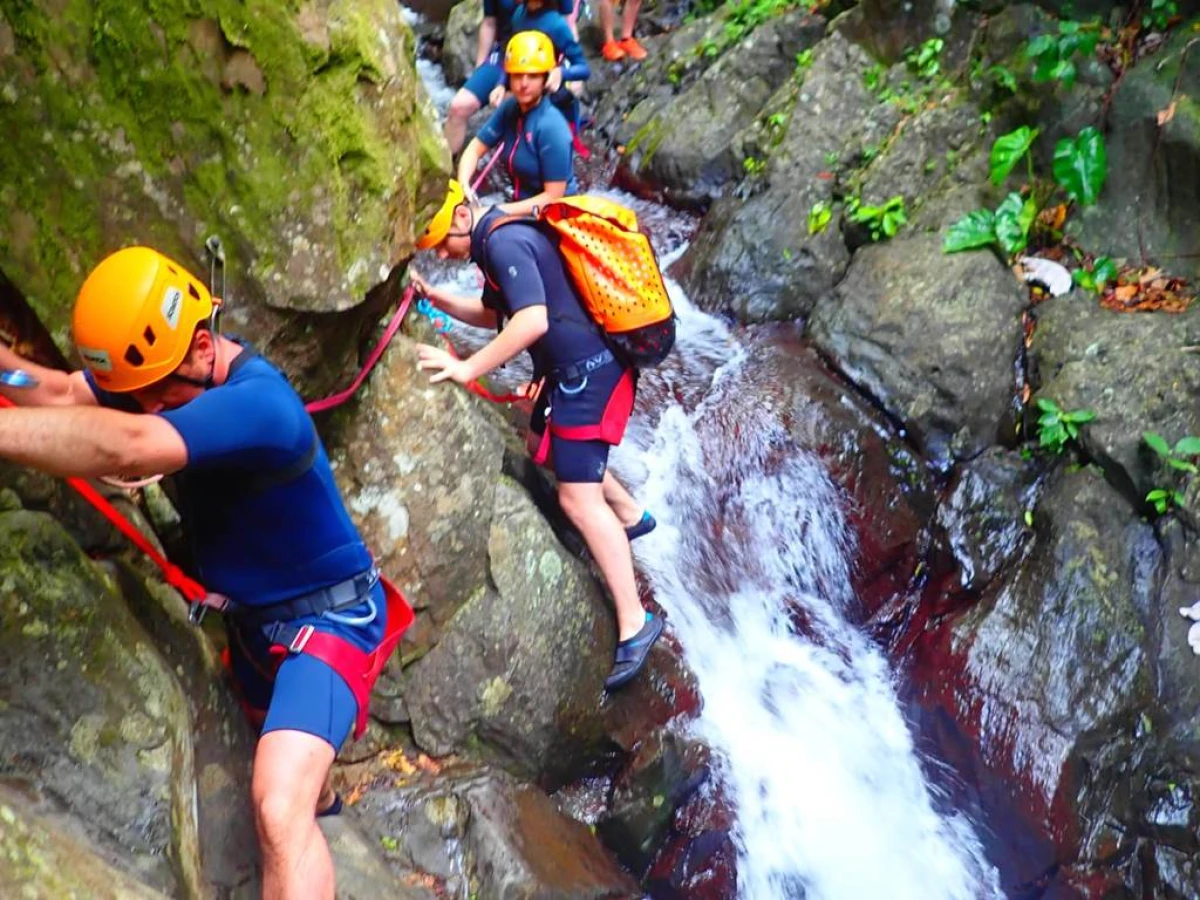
{"x":554,"y":82}
{"x":443,"y":365}
{"x":496,"y":97}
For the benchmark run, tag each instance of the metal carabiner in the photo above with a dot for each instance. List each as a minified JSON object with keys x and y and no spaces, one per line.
{"x":571,"y":392}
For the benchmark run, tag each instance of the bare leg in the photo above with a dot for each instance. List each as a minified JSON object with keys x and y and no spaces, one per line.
{"x":628,"y":510}
{"x":462,"y":107}
{"x":584,"y":504}
{"x":291,"y":769}
{"x":629,"y":16}
{"x":606,"y":19}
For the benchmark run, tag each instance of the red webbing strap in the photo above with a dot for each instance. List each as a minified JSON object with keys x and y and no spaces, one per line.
{"x":393,"y":326}
{"x":192,"y":590}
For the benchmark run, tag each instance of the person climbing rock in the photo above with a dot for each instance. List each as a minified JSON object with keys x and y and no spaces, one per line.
{"x":612,"y":49}
{"x":587,"y":389}
{"x":163,"y":391}
{"x":536,"y":139}
{"x":494,"y":31}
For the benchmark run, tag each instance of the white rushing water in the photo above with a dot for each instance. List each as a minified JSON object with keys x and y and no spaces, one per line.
{"x":831,"y":800}
{"x":832,"y":803}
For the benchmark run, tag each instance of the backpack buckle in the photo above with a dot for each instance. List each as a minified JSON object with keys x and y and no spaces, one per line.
{"x":300,"y":641}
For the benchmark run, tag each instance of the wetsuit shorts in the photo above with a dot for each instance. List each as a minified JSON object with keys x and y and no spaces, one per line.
{"x":604,"y":401}
{"x":303,"y":694}
{"x":484,"y":79}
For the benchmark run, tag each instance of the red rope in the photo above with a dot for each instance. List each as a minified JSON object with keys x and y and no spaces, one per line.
{"x":393,"y":326}
{"x":477,"y":387}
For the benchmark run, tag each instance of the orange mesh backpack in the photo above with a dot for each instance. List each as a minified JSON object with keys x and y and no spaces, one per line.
{"x":613,"y":266}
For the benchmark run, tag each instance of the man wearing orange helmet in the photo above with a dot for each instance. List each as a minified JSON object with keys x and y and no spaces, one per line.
{"x":590,"y":389}
{"x":163,"y":391}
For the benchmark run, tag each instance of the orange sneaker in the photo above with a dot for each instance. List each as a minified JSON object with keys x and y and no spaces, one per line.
{"x":612,"y":51}
{"x":633,"y":49}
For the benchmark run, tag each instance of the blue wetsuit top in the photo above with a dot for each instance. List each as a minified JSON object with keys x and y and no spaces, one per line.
{"x":523,"y":268}
{"x":537,"y":146}
{"x":554,"y":25}
{"x":256,"y":541}
{"x":503,"y":10}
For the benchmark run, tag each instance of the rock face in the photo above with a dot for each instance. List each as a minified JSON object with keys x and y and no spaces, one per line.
{"x":92,"y":725}
{"x":693,"y":152}
{"x":757,"y":259}
{"x":301,"y":136}
{"x":931,"y":337}
{"x":1149,"y":213}
{"x":477,"y":827}
{"x":1132,"y":370}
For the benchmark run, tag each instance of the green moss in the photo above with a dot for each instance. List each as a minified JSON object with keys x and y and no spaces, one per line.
{"x":647,"y":140}
{"x":119,"y":130}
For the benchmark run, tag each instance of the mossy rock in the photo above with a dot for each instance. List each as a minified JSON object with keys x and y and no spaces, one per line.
{"x":299,"y":133}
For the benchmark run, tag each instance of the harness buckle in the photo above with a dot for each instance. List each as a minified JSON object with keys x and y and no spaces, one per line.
{"x":196,"y":612}
{"x":300,"y":641}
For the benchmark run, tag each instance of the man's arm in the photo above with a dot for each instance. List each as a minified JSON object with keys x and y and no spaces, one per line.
{"x":54,"y":387}
{"x":525,"y":327}
{"x":90,"y":441}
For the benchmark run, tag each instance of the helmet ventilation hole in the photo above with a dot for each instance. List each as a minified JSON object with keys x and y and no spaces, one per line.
{"x":133,"y":356}
{"x":148,"y":334}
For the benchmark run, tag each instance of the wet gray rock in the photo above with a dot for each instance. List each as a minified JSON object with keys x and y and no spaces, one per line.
{"x":1055,"y":657}
{"x":519,"y":670}
{"x":477,"y":831}
{"x":983,"y":518}
{"x":49,"y":857}
{"x":931,"y":337}
{"x":1148,"y":210}
{"x":684,"y":144}
{"x":1132,"y":370}
{"x":93,"y":724}
{"x":756,"y":259}
{"x":462,"y":41}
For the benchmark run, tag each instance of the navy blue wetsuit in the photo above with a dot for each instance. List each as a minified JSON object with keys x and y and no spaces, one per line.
{"x":523,"y":268}
{"x":553,"y":23}
{"x":268,"y":524}
{"x":537,"y":146}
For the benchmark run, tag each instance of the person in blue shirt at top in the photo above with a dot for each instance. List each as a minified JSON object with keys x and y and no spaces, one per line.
{"x":494,"y":32}
{"x":164,"y":391}
{"x":537,"y":142}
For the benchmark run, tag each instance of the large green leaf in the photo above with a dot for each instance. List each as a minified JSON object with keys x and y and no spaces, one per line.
{"x":1013,"y":219}
{"x":1188,"y":446}
{"x":1081,"y":165}
{"x":1008,"y":150}
{"x":974,"y":230}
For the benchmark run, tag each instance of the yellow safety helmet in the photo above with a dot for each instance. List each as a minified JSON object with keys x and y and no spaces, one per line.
{"x":135,"y":317}
{"x":439,"y":225}
{"x":529,"y":53}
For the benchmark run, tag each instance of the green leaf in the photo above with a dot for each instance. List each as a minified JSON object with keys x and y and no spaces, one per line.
{"x":1177,"y":497}
{"x":1081,"y":165}
{"x":1008,"y":150}
{"x":974,"y":230}
{"x":1188,"y":446}
{"x":1181,"y":465}
{"x":1156,"y":443}
{"x":1047,"y":405}
{"x":1104,"y":271}
{"x":1029,"y":518}
{"x":1080,"y":416}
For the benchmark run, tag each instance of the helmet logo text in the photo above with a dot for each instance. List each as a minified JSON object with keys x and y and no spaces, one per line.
{"x":171,"y":306}
{"x":96,"y":360}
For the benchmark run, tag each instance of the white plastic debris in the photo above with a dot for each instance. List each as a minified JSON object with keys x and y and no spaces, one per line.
{"x":1050,"y":275}
{"x":1191,"y":612}
{"x":1194,"y":637}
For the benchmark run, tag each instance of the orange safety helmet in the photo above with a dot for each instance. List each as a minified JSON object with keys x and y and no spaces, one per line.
{"x":439,"y":225}
{"x":529,"y":53}
{"x":135,"y":317}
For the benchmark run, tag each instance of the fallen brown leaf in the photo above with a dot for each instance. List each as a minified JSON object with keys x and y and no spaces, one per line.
{"x":1166,"y":115}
